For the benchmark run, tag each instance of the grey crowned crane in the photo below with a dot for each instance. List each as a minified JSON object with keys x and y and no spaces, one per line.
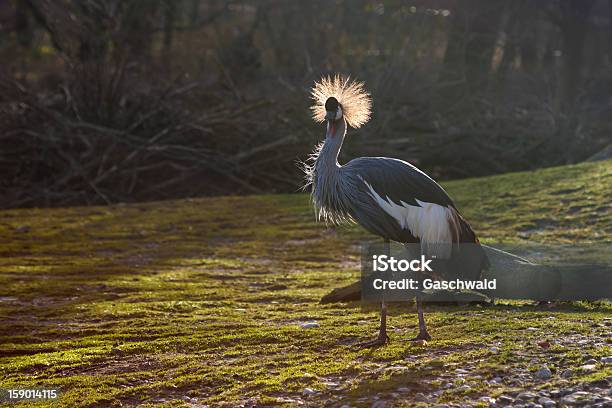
{"x":388,"y":197}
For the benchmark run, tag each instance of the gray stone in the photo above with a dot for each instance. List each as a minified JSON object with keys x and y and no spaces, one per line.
{"x":543,"y":373}
{"x":421,"y":397}
{"x":309,"y":325}
{"x":293,"y":402}
{"x":526,"y":396}
{"x":601,"y":400}
{"x":543,"y":393}
{"x":602,"y":383}
{"x":547,"y":402}
{"x":588,"y":367}
{"x":379,"y":404}
{"x":567,"y":373}
{"x":397,"y":368}
{"x":591,"y":361}
{"x":567,"y":391}
{"x":309,"y":391}
{"x":487,"y":400}
{"x":577,"y":398}
{"x":606,"y":360}
{"x":331,"y":384}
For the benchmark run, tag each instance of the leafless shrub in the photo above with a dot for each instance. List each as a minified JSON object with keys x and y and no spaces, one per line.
{"x":105,"y":137}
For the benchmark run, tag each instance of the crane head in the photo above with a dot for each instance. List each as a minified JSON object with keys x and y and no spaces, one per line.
{"x":333,"y":110}
{"x":339,"y":97}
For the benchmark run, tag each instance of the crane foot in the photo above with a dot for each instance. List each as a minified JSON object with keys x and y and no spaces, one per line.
{"x":423,"y":335}
{"x":381,"y":340}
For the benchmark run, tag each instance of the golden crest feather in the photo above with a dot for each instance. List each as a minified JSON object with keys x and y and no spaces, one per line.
{"x":352,"y":96}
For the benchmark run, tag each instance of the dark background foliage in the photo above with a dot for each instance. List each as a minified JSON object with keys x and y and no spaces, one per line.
{"x":123,"y":100}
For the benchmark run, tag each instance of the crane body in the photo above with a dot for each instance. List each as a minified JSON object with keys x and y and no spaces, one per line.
{"x":389,"y":197}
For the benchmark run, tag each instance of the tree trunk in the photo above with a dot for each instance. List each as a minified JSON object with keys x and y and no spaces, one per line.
{"x":470,"y":46}
{"x":480,"y":44}
{"x":574,"y":25}
{"x":170,"y":9}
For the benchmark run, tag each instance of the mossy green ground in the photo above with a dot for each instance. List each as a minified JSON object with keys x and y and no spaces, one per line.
{"x":199,"y":302}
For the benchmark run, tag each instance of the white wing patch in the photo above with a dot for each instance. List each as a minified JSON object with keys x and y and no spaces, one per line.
{"x":430,"y":222}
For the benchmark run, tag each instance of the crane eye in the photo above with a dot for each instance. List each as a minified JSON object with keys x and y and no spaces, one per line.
{"x":339,"y":113}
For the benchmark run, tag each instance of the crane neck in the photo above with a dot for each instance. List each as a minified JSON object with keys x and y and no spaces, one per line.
{"x":329,"y":193}
{"x":334,"y":137}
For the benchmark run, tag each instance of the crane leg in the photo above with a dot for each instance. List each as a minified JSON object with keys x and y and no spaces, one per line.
{"x":423,"y":335}
{"x":382,"y":337}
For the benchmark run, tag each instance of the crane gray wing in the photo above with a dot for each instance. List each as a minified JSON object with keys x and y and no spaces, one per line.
{"x":398,"y":181}
{"x":397,"y":201}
